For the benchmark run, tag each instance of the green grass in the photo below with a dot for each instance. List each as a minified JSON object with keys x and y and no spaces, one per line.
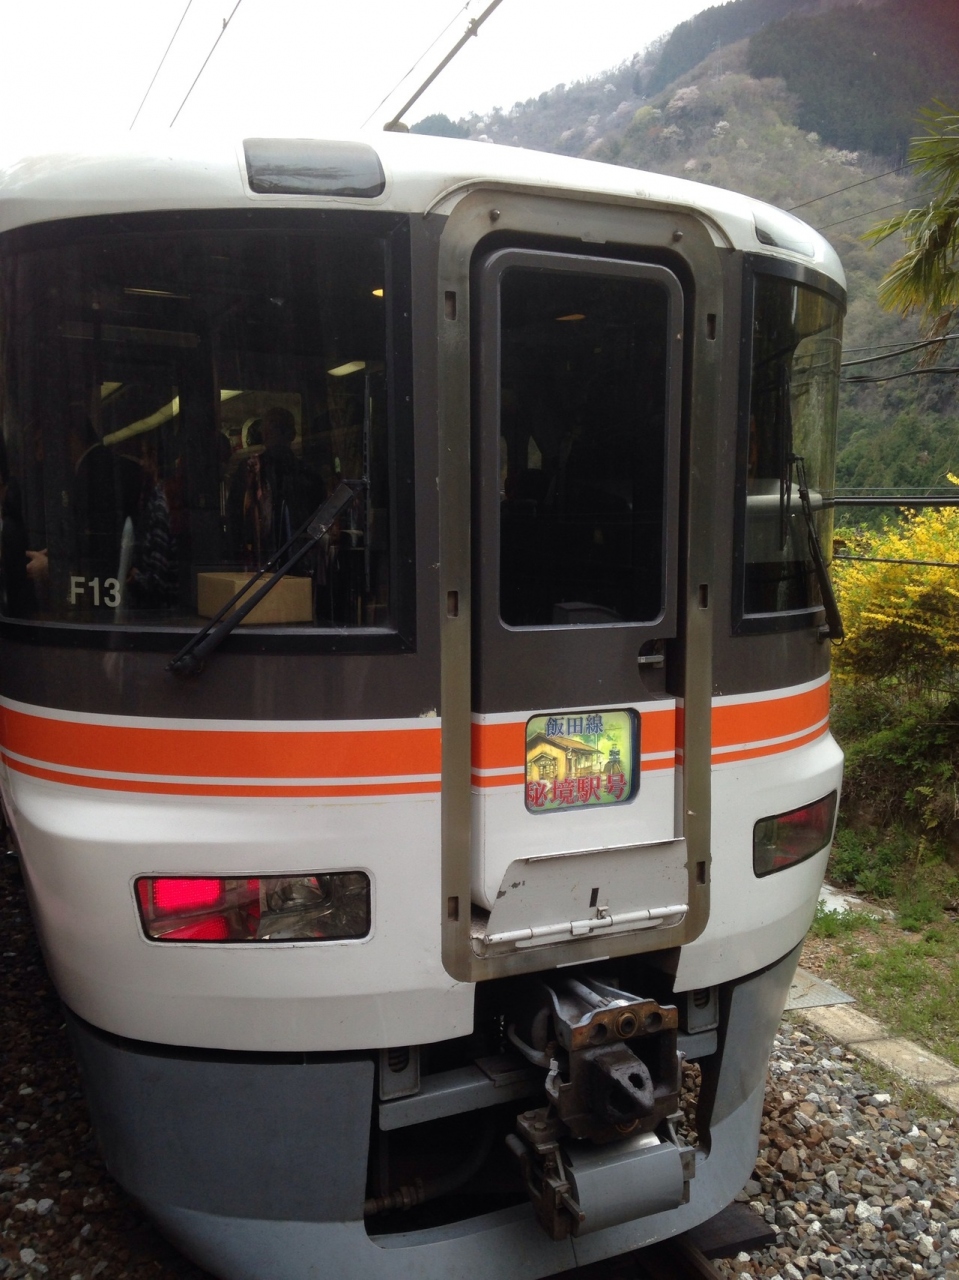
{"x":838,"y":924}
{"x":898,"y":845}
{"x":870,"y":862}
{"x":905,"y":872}
{"x":898,"y":837}
{"x":909,"y":981}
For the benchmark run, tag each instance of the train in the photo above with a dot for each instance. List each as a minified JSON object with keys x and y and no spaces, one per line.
{"x":414,"y":683}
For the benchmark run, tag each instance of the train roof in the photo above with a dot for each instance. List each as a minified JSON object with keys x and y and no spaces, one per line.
{"x":421,"y":175}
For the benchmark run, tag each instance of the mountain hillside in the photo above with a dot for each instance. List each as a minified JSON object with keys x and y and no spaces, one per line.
{"x":724,"y":24}
{"x":862,"y":75}
{"x":722,"y":124}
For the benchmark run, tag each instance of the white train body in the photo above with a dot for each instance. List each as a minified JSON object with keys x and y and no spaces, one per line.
{"x":529,"y":777}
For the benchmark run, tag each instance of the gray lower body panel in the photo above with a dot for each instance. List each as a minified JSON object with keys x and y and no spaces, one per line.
{"x":256,"y":1166}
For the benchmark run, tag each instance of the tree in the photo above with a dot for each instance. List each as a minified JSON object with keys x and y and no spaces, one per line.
{"x":440,"y":126}
{"x":925,"y":280}
{"x":899,"y":596}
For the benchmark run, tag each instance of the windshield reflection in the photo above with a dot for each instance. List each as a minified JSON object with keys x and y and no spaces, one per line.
{"x":175,"y":404}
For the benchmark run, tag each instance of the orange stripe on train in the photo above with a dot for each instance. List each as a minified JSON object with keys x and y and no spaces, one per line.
{"x":285,"y":755}
{"x":748,"y":726}
{"x":503,"y":746}
{"x":752,"y":724}
{"x":769,"y":748}
{"x":150,"y":786}
{"x":223,"y":753}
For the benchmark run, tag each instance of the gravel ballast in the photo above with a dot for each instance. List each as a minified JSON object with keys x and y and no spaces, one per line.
{"x":63,"y":1215}
{"x":853,"y":1184}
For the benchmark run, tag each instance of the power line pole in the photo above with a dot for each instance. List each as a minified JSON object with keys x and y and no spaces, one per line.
{"x":396,"y":124}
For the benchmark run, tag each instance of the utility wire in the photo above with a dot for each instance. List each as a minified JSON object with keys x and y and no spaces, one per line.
{"x":865,"y":214}
{"x":861,"y":183}
{"x":226,"y":23}
{"x":162,"y":60}
{"x":879,"y":346}
{"x":939,"y":501}
{"x":406,"y":76}
{"x":916,"y":346}
{"x":932,"y":564}
{"x":847,"y":490}
{"x":909,"y":373}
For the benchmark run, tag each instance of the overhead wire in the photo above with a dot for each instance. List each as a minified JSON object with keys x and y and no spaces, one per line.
{"x":932,"y":564}
{"x":161,"y":62}
{"x":909,"y":373}
{"x":222,"y":31}
{"x":882,"y":346}
{"x":403,"y":78}
{"x":877,"y":490}
{"x":865,"y":214}
{"x":861,"y":183}
{"x":902,"y":351}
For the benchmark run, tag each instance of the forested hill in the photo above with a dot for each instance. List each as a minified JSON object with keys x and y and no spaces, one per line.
{"x":734,"y":120}
{"x":860,"y":70}
{"x":861,"y":75}
{"x":724,"y":24}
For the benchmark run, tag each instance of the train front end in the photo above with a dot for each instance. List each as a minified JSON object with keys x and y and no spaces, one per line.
{"x":433,"y":916}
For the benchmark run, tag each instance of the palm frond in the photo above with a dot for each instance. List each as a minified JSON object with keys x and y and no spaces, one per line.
{"x":925,"y":279}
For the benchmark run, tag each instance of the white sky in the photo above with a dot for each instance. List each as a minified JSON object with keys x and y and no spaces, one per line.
{"x":72,"y":66}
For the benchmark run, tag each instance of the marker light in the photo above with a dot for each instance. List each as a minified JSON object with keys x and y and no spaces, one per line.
{"x":789,"y":838}
{"x":315,"y":908}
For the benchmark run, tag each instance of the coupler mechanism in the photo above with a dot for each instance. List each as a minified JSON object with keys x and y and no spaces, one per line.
{"x":604,"y":1149}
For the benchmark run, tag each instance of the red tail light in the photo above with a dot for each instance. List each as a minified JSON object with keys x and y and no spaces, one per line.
{"x":789,"y":838}
{"x":216,"y":929}
{"x":323,"y":907}
{"x":175,"y":896}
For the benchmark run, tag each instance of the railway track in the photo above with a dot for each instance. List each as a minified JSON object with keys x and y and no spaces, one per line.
{"x":676,"y":1259}
{"x":686,"y":1257}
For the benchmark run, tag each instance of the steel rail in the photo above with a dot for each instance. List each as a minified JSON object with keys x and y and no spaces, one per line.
{"x":675,"y":1259}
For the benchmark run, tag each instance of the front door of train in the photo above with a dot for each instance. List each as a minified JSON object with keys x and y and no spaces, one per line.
{"x":576,"y":751}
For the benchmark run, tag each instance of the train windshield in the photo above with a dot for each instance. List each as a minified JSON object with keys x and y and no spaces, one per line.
{"x":796,"y":351}
{"x":177,"y":402}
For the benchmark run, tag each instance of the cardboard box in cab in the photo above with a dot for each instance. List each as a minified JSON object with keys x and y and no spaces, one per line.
{"x":291,"y":600}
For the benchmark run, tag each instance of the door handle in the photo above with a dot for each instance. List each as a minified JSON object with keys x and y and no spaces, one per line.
{"x":651,"y":654}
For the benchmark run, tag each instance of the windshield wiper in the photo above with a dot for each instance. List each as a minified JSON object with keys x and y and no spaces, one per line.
{"x":190,"y":660}
{"x":834,"y":629}
{"x":784,"y":422}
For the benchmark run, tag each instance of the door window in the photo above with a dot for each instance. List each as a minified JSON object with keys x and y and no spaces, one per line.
{"x":583,"y":429}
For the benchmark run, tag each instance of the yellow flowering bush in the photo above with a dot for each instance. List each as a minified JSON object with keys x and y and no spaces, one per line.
{"x":896,"y":712}
{"x":901,"y":620}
